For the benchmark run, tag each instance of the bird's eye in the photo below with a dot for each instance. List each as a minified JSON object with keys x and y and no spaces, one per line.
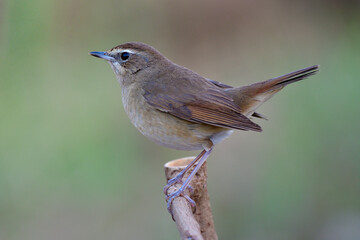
{"x":124,"y":56}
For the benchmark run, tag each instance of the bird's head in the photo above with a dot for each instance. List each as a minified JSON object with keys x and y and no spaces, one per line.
{"x":131,"y":59}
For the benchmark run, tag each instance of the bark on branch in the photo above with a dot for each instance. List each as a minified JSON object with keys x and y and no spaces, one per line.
{"x":199,"y":225}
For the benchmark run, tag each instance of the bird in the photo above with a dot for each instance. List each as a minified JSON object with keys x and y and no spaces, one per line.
{"x":180,"y":109}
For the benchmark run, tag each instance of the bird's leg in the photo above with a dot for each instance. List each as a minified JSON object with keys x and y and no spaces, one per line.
{"x":180,"y":192}
{"x":179,"y":177}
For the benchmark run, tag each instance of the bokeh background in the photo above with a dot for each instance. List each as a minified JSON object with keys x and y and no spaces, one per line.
{"x":73,"y":167}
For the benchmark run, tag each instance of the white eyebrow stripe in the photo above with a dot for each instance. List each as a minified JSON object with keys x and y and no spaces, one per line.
{"x":123,"y":50}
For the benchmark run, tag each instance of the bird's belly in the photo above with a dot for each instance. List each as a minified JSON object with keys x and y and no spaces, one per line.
{"x":170,"y":131}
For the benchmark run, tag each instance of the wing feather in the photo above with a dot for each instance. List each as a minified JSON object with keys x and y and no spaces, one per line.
{"x":204,"y":103}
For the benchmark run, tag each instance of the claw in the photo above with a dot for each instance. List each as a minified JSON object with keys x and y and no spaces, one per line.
{"x":170,"y":199}
{"x":192,"y":202}
{"x":191,"y":189}
{"x":179,"y":193}
{"x":172,"y":182}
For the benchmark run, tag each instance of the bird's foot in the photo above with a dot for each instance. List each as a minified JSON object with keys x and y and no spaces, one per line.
{"x":189,"y":187}
{"x":173,"y":181}
{"x":200,"y":159}
{"x":180,"y":193}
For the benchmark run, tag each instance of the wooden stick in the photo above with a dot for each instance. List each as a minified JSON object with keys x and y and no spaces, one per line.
{"x":199,"y":225}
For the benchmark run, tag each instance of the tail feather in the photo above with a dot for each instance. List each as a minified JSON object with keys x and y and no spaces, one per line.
{"x":259,"y":115}
{"x":250,"y":97}
{"x":289,"y":78}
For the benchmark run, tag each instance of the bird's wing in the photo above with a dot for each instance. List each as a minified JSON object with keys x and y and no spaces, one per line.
{"x":222,"y":85}
{"x":195,"y":99}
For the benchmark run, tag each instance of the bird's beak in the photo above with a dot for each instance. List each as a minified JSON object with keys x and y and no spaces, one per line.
{"x":102,"y":55}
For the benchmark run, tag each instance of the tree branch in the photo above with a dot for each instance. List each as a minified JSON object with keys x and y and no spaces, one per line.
{"x":199,"y":225}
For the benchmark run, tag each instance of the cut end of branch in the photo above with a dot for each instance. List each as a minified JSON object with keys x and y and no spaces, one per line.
{"x":179,"y":163}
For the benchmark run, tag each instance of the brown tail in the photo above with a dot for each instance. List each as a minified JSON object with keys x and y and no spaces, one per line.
{"x":250,"y":97}
{"x":282,"y":81}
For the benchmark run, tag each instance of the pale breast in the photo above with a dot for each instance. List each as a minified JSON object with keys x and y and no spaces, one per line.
{"x":166,"y":129}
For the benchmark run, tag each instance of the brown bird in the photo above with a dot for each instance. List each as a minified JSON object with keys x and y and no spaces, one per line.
{"x":180,"y":109}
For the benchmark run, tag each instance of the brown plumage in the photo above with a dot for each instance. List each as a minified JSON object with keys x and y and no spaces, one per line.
{"x":250,"y":97}
{"x":193,"y":98}
{"x":178,"y":108}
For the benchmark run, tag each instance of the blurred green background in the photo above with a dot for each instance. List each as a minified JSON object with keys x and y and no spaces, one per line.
{"x":73,"y":167}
